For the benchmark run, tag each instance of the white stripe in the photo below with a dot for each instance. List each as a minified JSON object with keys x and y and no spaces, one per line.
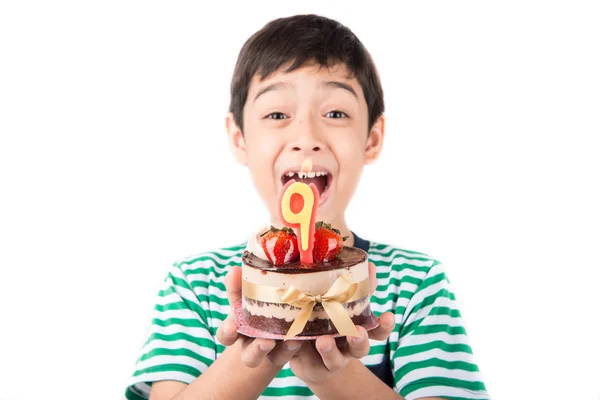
{"x":286,"y":382}
{"x":401,"y":274}
{"x":441,"y":391}
{"x":398,"y":259}
{"x":175,"y":328}
{"x":431,"y":372}
{"x":373,"y":359}
{"x":442,"y":320}
{"x":161,"y":360}
{"x":211,"y":264}
{"x":385,"y":282}
{"x":433,"y":353}
{"x":184,"y":314}
{"x":214,"y":322}
{"x":159,"y":376}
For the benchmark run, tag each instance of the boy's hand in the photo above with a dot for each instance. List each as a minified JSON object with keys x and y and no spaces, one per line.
{"x":254,"y":351}
{"x":320,"y":363}
{"x":315,"y":362}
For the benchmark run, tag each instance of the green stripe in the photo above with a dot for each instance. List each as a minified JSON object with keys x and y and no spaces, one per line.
{"x":397,"y":282}
{"x":203,"y":342}
{"x":218,"y":315}
{"x":168,"y":368}
{"x":377,"y":349}
{"x":434,"y":362}
{"x":177,"y":352}
{"x":190,"y":323}
{"x":433,"y":312}
{"x":132,"y":395}
{"x":398,"y":252}
{"x":222,"y":301}
{"x":408,"y":350}
{"x":401,"y":266}
{"x":210,"y":283}
{"x":429,"y":329}
{"x":207,"y":271}
{"x":288,"y":391}
{"x":441,"y":381}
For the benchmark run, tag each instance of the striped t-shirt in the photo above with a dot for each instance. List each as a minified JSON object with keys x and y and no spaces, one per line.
{"x":427,"y":354}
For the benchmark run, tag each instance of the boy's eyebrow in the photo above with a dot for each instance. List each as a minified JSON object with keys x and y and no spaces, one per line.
{"x":269,"y":88}
{"x":341,"y":85}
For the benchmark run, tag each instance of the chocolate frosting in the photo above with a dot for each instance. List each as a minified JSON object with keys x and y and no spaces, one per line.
{"x":348,"y":257}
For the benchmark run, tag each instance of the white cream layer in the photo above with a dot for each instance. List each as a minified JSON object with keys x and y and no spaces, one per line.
{"x":273,"y":311}
{"x":317,"y":282}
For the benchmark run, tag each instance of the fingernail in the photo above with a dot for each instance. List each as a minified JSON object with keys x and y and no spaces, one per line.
{"x":291,"y":346}
{"x":359,"y":339}
{"x":327,"y":348}
{"x":390,"y":323}
{"x":265,"y":347}
{"x":228,"y":330}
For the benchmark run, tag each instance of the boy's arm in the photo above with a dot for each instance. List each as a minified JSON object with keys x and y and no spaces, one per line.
{"x":228,"y":378}
{"x":357,"y":382}
{"x":242,"y":371}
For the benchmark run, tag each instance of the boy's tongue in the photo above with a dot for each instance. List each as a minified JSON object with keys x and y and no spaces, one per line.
{"x":319,"y":181}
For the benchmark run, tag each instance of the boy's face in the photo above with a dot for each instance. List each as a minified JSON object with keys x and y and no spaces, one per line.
{"x":312,"y":112}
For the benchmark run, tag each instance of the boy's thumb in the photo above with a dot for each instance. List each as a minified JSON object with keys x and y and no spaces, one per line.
{"x":233,"y":284}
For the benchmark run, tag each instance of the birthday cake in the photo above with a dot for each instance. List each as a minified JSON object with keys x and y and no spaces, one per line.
{"x":282,"y":294}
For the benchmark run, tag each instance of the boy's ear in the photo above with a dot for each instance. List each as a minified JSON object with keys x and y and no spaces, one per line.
{"x":375,"y":141}
{"x":237,"y":144}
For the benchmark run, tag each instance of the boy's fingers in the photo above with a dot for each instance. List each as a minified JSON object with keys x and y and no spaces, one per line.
{"x":331,"y":355}
{"x":283,"y":352}
{"x":372,"y":278}
{"x":233,"y":284}
{"x":387,"y":321}
{"x":255,"y":351}
{"x":227,"y":332}
{"x":358,"y":347}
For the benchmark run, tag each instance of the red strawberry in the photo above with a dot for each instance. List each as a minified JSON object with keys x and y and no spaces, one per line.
{"x":280,"y":245}
{"x":328,"y":242}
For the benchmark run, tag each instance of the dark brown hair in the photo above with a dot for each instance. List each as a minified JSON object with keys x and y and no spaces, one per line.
{"x":299,"y":40}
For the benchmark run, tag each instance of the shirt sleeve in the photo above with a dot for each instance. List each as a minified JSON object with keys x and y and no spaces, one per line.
{"x":432,"y":357}
{"x":179,"y":344}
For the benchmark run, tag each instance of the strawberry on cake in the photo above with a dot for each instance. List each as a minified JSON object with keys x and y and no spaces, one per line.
{"x":277,"y":287}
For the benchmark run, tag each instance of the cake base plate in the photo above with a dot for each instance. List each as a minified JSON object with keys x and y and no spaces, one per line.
{"x":247,"y":330}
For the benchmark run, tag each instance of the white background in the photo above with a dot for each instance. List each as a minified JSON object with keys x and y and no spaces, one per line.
{"x":114,"y":163}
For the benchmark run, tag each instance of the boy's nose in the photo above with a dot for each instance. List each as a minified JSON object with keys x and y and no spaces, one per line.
{"x":307,"y":139}
{"x":296,"y":148}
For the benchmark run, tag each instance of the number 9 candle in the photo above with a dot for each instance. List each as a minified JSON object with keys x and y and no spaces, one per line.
{"x":298,"y":211}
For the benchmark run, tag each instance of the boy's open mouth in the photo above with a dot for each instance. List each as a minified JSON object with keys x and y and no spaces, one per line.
{"x":321,"y":179}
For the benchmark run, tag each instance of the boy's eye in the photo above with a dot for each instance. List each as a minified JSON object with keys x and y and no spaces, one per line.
{"x":276,"y":115}
{"x":336,"y":114}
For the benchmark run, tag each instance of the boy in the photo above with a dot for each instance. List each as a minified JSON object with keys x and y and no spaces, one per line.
{"x":304,"y":86}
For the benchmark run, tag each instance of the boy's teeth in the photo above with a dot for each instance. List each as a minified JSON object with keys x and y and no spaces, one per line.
{"x":304,"y":175}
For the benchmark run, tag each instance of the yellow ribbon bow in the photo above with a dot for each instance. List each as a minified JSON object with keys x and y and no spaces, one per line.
{"x":340,"y":292}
